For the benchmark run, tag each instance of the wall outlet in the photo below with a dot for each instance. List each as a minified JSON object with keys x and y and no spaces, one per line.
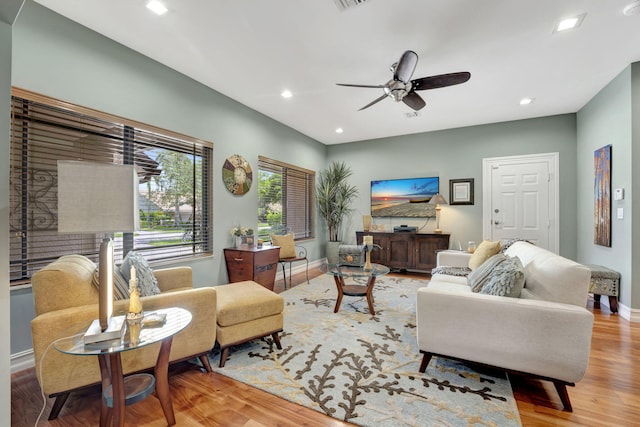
{"x":618,"y":194}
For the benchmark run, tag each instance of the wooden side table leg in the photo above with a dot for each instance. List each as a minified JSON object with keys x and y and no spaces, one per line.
{"x":372,"y":281}
{"x":105,"y":372}
{"x":339,"y":283}
{"x":117,"y":387}
{"x":162,"y":381}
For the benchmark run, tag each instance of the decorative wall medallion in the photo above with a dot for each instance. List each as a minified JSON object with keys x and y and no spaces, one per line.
{"x":237,"y":175}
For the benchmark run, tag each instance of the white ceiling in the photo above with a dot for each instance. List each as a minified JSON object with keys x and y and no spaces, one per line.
{"x":251,"y":50}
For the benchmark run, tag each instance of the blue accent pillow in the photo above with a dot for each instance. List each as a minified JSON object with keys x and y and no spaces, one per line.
{"x":147,"y":282}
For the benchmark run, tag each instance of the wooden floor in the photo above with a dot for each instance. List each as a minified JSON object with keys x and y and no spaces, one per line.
{"x":609,"y":395}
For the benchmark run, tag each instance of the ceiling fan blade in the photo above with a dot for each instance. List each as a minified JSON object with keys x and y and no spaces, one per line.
{"x":442,"y":80}
{"x":375,"y":101}
{"x":406,"y":66}
{"x":350,"y":85}
{"x":414,"y":101}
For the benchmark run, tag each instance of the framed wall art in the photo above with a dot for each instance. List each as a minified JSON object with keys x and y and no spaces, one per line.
{"x":602,"y":196}
{"x":461,"y":191}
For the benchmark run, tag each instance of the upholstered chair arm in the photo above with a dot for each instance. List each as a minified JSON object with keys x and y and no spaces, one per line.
{"x":537,"y":337}
{"x":174,"y":278}
{"x":451,"y":258}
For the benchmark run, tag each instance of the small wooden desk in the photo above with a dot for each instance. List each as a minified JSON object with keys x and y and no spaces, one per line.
{"x":113,"y":379}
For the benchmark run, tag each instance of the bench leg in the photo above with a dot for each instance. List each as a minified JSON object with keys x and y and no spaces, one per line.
{"x":223,"y":356}
{"x":613,"y":303}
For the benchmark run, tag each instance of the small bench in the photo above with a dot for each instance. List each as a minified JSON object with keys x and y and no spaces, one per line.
{"x":246,"y":311}
{"x":604,"y":281}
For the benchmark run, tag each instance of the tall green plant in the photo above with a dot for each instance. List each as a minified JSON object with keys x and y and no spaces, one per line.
{"x":334,"y":196}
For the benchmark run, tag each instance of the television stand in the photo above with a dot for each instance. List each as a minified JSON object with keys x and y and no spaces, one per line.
{"x":406,"y":251}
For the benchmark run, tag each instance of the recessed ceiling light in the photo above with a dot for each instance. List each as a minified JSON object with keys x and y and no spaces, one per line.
{"x":339,"y":130}
{"x":286,"y":94}
{"x":569,"y":23}
{"x":156,"y":7}
{"x":526,"y":101}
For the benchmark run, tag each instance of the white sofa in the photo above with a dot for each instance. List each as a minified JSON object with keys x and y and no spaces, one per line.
{"x":545,"y":333}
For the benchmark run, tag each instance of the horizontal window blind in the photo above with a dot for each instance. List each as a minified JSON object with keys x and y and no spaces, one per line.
{"x":285,"y":200}
{"x":174,"y":192}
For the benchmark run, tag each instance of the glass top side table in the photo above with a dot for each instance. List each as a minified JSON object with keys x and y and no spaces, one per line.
{"x":114,"y":385}
{"x":340,"y":272}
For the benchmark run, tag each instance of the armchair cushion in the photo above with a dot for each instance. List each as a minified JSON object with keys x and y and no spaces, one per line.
{"x":485,"y":250}
{"x":286,"y":243}
{"x":147,"y":282}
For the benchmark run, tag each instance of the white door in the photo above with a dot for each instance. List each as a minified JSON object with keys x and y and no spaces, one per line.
{"x":520,"y":199}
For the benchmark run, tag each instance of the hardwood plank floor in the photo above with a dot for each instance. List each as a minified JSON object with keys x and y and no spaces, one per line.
{"x":607,"y":396}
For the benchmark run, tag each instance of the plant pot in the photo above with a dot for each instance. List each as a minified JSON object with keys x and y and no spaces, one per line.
{"x":333,"y":252}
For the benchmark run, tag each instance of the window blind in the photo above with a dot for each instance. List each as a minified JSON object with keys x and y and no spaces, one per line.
{"x":173,"y":171}
{"x":286,"y":198}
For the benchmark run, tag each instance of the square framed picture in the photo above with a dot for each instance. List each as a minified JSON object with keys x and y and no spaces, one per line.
{"x":461,"y":191}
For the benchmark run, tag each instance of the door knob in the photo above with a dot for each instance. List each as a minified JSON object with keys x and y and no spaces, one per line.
{"x":496,"y":222}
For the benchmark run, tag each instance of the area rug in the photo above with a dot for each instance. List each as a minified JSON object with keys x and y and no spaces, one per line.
{"x":364,"y":369}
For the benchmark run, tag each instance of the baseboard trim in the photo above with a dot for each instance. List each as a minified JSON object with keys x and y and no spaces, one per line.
{"x":628,"y":313}
{"x":21,"y":361}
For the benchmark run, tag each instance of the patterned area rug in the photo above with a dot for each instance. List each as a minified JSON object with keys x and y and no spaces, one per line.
{"x":364,"y":369}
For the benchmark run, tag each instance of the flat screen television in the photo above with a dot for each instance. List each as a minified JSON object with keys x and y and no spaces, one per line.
{"x":404,"y":198}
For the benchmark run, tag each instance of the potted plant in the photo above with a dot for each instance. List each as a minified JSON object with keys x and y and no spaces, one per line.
{"x":334,"y":197}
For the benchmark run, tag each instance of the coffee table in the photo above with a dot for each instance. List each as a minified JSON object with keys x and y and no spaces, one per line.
{"x":340,"y":272}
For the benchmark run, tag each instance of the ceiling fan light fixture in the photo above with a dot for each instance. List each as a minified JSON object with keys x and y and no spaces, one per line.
{"x":569,"y":23}
{"x":156,"y":7}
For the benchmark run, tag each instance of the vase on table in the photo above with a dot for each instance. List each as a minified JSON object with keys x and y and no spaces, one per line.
{"x":238,"y":242}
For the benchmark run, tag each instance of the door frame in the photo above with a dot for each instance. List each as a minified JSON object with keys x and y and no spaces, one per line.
{"x":552,"y":160}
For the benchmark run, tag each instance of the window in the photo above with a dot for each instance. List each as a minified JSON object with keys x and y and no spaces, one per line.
{"x":285,"y":199}
{"x":174,"y":172}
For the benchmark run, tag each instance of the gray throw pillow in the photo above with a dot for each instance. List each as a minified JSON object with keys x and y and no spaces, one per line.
{"x":479,"y":276}
{"x":147,"y":282}
{"x":506,"y":279}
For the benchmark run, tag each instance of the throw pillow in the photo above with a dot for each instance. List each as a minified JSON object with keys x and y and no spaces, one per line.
{"x":506,"y":279}
{"x":287,"y":247}
{"x":478,"y":277}
{"x":120,"y":287}
{"x":147,"y":282}
{"x":485,"y":250}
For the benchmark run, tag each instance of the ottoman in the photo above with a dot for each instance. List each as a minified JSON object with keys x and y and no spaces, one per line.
{"x":604,"y":281}
{"x":246,"y":311}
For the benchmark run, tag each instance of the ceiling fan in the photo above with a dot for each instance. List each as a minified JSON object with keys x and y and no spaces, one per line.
{"x":401,"y":88}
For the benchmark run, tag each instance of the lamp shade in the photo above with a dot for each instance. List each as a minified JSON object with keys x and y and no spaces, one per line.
{"x":97,"y":197}
{"x":438,"y":199}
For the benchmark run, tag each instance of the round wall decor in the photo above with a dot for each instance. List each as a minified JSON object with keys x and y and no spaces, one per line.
{"x":237,"y":175}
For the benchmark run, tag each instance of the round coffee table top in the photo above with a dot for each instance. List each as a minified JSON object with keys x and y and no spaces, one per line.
{"x":354,"y":271}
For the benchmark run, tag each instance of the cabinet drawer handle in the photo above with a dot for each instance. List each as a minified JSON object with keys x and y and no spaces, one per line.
{"x":238,"y":259}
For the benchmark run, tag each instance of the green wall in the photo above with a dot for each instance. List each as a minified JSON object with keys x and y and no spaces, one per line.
{"x":56,"y":57}
{"x":612,"y":117}
{"x":458,"y":153}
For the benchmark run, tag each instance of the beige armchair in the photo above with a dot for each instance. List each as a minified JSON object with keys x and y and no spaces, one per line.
{"x":65,"y":299}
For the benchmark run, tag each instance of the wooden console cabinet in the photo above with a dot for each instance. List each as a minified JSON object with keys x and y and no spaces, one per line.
{"x":259,"y":265}
{"x":406,"y":251}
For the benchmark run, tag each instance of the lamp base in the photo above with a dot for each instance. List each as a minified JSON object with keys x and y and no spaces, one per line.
{"x":115,"y":330}
{"x":437,"y":231}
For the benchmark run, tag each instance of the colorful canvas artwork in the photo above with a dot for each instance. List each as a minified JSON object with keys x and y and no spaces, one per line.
{"x":602,"y":196}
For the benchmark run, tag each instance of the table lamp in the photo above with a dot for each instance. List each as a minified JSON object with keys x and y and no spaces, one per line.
{"x":99,"y":198}
{"x":438,"y":200}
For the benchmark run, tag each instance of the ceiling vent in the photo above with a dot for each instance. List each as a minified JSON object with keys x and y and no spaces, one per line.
{"x":347,"y":4}
{"x":412,"y":114}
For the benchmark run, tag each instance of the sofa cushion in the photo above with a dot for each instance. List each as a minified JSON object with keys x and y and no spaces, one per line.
{"x":485,"y":250}
{"x":478,"y":277}
{"x":286,"y":243}
{"x":551,"y":277}
{"x":506,"y":279}
{"x":120,"y":286}
{"x":147,"y":282}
